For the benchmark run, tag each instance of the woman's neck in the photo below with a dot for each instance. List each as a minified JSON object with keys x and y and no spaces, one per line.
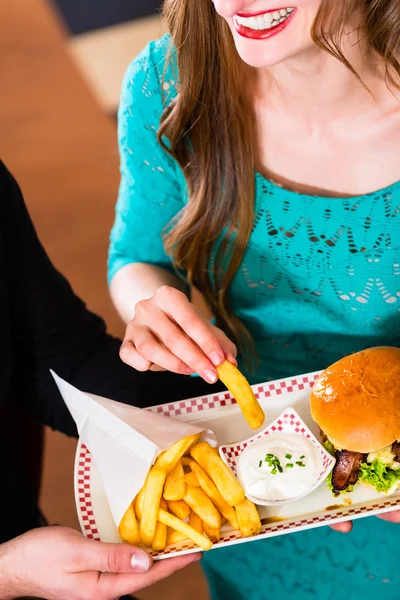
{"x":317,"y":85}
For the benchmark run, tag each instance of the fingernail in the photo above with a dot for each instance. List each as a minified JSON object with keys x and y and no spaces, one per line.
{"x":216,"y":358}
{"x":232,"y":360}
{"x":140,"y":562}
{"x":210,"y":376}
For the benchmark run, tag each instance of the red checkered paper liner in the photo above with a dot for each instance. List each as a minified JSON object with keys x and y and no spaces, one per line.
{"x":288,"y":422}
{"x":228,"y":536}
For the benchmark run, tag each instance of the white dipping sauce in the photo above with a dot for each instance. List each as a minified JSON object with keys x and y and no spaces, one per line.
{"x":279,"y":466}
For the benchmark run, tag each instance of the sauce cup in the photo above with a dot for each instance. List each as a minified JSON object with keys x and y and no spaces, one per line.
{"x":289,"y":422}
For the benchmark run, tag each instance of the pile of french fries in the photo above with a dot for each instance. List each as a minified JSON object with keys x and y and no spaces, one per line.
{"x":188,"y":494}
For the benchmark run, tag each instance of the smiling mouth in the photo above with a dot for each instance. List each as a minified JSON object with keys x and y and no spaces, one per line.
{"x":262,"y":23}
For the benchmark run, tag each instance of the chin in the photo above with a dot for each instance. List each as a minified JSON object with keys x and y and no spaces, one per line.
{"x":265,"y":55}
{"x":356,"y":403}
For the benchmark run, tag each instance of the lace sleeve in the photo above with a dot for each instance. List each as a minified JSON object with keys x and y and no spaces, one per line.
{"x":151,"y":191}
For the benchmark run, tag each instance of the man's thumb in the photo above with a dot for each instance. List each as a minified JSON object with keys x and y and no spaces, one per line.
{"x":119,"y":558}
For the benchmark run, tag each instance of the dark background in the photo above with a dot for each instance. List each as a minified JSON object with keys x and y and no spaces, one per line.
{"x":85,"y":15}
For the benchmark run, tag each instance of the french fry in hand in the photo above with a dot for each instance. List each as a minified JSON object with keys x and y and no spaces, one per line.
{"x":178,"y":525}
{"x":214,"y":533}
{"x":168,"y":459}
{"x":195,"y":522}
{"x":174,"y":488}
{"x":191,"y":479}
{"x":160,"y":536}
{"x":249,"y":519}
{"x":154,"y":488}
{"x":128,"y":528}
{"x":212,"y":492}
{"x":179,"y":508}
{"x":217,"y":470}
{"x":201,"y":504}
{"x":174,"y":537}
{"x":240,"y":389}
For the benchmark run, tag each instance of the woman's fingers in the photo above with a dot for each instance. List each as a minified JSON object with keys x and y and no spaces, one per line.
{"x":228,"y":347}
{"x":167,"y":332}
{"x":144,"y":351}
{"x":177,"y":306}
{"x":344,"y":527}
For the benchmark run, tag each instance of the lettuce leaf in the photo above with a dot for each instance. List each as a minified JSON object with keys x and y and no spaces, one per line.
{"x":379,"y":475}
{"x":329,"y":447}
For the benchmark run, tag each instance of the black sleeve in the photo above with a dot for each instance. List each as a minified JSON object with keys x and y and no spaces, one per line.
{"x":51,"y":328}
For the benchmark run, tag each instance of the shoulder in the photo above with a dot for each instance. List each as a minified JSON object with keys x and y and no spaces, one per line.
{"x":151,"y":78}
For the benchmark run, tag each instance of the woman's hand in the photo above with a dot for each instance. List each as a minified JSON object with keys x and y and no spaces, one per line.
{"x":392,"y":517}
{"x":56,"y":562}
{"x":168,"y":331}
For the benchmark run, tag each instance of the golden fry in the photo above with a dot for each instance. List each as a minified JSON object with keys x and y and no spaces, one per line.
{"x":178,"y":525}
{"x":201,"y":504}
{"x":139,"y":501}
{"x":240,"y":389}
{"x":168,"y":459}
{"x":186,"y":460}
{"x":214,"y":533}
{"x":249,"y":519}
{"x":174,"y":537}
{"x":191,"y":479}
{"x":174,"y":488}
{"x":154,"y":488}
{"x":160,"y":536}
{"x":179,"y":508}
{"x":221,"y":475}
{"x":195,"y":522}
{"x":128,"y":528}
{"x":210,"y":489}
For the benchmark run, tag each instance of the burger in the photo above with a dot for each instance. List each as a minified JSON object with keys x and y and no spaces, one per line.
{"x":356,"y":403}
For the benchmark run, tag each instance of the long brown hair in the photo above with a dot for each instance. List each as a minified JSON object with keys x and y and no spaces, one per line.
{"x":210,"y":132}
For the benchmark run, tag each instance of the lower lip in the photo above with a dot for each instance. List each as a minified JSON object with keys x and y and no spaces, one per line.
{"x":261,"y":34}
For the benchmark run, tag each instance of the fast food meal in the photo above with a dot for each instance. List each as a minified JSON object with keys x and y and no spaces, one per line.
{"x":240,"y":389}
{"x":211,"y":494}
{"x":356,"y":403}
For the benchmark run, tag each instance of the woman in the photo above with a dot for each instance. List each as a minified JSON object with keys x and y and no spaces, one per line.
{"x":45,"y":325}
{"x":260,"y":164}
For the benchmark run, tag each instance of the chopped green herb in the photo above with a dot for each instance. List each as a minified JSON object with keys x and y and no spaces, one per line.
{"x":274,"y":471}
{"x":279,"y":468}
{"x":302,"y":457}
{"x":300,"y":463}
{"x":288,"y":456}
{"x":289,"y":465}
{"x":260,"y":463}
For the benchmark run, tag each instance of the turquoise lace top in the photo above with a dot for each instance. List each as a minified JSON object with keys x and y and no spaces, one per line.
{"x":320,"y":279}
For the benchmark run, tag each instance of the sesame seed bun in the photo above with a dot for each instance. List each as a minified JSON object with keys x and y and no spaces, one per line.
{"x":356,"y":401}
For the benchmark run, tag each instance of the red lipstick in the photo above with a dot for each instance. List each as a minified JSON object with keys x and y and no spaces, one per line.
{"x":260,"y":34}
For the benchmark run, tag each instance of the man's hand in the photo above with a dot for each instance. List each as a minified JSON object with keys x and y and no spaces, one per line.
{"x":392,"y":517}
{"x":56,"y":562}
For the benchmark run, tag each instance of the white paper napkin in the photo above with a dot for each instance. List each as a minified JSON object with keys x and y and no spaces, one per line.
{"x":123,"y":440}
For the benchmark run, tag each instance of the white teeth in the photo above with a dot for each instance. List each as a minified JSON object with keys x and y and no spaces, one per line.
{"x":265,"y":21}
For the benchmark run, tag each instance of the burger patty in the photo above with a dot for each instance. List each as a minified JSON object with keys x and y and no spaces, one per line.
{"x":345,"y":471}
{"x":396,"y":451}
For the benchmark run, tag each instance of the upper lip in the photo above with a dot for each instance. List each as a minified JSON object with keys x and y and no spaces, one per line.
{"x":260,"y":12}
